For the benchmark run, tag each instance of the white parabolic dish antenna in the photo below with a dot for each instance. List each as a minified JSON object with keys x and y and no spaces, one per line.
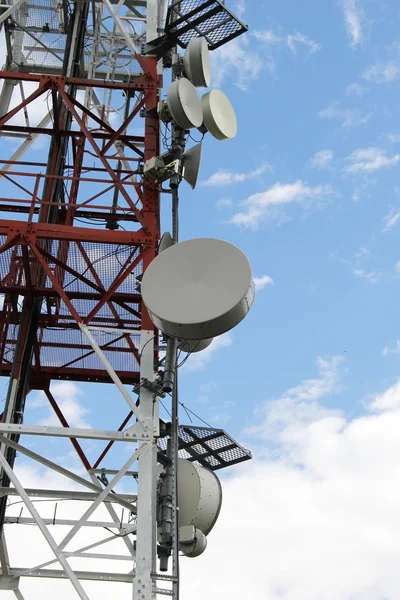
{"x":200,"y":496}
{"x":196,"y":62}
{"x":184,"y":104}
{"x":198,"y":289}
{"x":219,"y":118}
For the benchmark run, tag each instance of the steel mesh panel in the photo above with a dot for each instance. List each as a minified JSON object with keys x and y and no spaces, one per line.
{"x":210,"y":19}
{"x":64,"y":351}
{"x":43,"y":41}
{"x":210,"y":448}
{"x":63,"y":348}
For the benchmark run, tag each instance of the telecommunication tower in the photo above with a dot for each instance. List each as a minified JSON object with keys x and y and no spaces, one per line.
{"x":91,"y":292}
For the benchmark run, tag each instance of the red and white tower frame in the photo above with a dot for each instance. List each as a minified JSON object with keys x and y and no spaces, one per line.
{"x":79,"y":225}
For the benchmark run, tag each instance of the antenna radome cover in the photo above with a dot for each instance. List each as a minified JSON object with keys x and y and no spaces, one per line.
{"x":184,"y":104}
{"x":198,"y":289}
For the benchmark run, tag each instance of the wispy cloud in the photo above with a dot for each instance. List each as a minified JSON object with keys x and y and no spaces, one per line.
{"x":299,"y":405}
{"x":362,"y":253}
{"x":268,"y":36}
{"x":369,"y":276}
{"x":262,"y":282}
{"x":322,"y":159}
{"x":223,"y":203}
{"x":382,"y":72}
{"x":237,"y":61}
{"x":393,"y":137}
{"x":349,"y":117}
{"x":355,"y":89}
{"x":387,"y":350}
{"x":391,"y":219}
{"x":224,"y":177}
{"x":290,"y":40}
{"x":240,"y":8}
{"x":367,"y":160}
{"x":271,"y":203}
{"x":199,"y":360}
{"x":300,"y":38}
{"x":353,"y":18}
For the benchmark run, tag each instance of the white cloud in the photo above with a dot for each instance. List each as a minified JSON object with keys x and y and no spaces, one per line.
{"x":322,"y":490}
{"x":349,"y":117}
{"x":393,"y":137}
{"x":240,"y":8}
{"x":300,"y":38}
{"x":208,"y":387}
{"x":370,"y":159}
{"x":299,"y":405}
{"x":396,"y":350}
{"x":268,"y":36}
{"x":199,"y":360}
{"x":390,"y":398}
{"x":223,"y":177}
{"x":236,"y":60}
{"x":291,"y":40}
{"x":362,"y":252}
{"x":369,"y":276}
{"x":223,"y":203}
{"x":391,"y":219}
{"x":324,"y":494}
{"x":271,"y":203}
{"x":322,"y":159}
{"x":67,"y":395}
{"x":382,"y":72}
{"x":220,"y":420}
{"x":262,"y":282}
{"x":397,"y":266}
{"x":355,"y":88}
{"x":353,"y":17}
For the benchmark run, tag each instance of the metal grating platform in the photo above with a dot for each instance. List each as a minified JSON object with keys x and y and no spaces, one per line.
{"x":39,"y":41}
{"x":187,"y":19}
{"x":210,"y":448}
{"x":86,"y":271}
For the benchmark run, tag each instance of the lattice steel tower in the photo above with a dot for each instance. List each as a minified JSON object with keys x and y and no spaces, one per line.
{"x":79,"y":123}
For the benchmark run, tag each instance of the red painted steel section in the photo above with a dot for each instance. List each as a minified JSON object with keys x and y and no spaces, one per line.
{"x":62,"y":261}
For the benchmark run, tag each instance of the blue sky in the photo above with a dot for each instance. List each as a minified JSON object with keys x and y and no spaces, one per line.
{"x":308,"y":189}
{"x":309,"y":380}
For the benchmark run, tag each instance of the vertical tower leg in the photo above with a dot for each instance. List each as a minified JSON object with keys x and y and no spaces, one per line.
{"x":146,"y":500}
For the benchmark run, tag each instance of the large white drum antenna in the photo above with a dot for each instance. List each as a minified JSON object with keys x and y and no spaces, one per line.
{"x":184,"y":104}
{"x":198,"y":289}
{"x":196,"y":62}
{"x":219,"y":118}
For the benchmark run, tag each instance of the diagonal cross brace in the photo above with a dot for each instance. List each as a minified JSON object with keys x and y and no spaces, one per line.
{"x":46,"y":533}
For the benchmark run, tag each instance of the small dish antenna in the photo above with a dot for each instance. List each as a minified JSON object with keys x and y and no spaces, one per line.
{"x":191,"y":164}
{"x":165,"y":242}
{"x":184,"y":104}
{"x":219,"y":118}
{"x":196,"y":62}
{"x":198,"y":289}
